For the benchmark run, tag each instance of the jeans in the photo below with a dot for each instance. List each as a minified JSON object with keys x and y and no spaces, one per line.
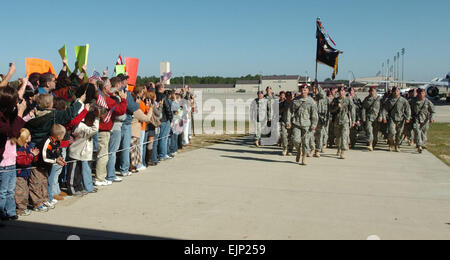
{"x":7,"y":189}
{"x":125,"y":144}
{"x":114,"y":145}
{"x":53,"y":177}
{"x":87,"y":176}
{"x":95,"y":141}
{"x":173,"y":147}
{"x":164,"y":133}
{"x":143,"y":148}
{"x":155,"y":149}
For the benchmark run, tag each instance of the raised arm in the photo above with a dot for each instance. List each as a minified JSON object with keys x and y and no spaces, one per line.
{"x":12,"y":70}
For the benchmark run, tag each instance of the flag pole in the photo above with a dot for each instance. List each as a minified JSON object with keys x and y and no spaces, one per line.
{"x":317,"y":64}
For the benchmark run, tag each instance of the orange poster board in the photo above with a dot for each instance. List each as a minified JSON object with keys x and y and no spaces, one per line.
{"x":132,"y":65}
{"x":38,"y":66}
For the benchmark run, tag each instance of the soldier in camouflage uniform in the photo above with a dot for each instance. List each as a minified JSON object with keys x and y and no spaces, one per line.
{"x":423,"y":112}
{"x":331,"y":135}
{"x":321,"y":134}
{"x":303,"y":120}
{"x":344,"y":110}
{"x":259,"y":114}
{"x":409,"y":131}
{"x":383,"y":125}
{"x":285,"y":133}
{"x":370,"y":115}
{"x":396,"y":112}
{"x":358,"y":106}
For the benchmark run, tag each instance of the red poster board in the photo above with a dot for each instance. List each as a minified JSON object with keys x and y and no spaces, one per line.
{"x":132,"y":65}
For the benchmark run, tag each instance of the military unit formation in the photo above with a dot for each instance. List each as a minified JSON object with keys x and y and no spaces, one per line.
{"x":312,"y":122}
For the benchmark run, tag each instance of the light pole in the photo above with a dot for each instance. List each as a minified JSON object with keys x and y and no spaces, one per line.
{"x":398,"y":68}
{"x":260,"y":81}
{"x":403,"y":66}
{"x":350,"y":79}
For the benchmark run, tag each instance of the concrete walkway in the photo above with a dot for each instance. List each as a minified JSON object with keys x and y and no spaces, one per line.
{"x":237,"y":191}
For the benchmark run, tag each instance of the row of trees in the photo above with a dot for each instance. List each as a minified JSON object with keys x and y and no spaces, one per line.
{"x":198,"y":80}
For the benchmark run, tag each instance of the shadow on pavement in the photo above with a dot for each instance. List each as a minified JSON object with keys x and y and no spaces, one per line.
{"x":18,"y":230}
{"x":259,"y":152}
{"x":256,"y":159}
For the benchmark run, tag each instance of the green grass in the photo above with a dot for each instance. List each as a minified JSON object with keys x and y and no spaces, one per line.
{"x":439,"y":141}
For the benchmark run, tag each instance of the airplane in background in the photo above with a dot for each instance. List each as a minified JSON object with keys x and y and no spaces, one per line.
{"x":436,"y":89}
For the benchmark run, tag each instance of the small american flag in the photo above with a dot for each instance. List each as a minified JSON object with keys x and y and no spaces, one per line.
{"x":119,"y":60}
{"x":95,"y":77}
{"x":101,"y":101}
{"x":109,"y":115}
{"x":166,"y":76}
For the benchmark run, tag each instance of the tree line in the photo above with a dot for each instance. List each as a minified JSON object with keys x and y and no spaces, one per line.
{"x":197,"y":80}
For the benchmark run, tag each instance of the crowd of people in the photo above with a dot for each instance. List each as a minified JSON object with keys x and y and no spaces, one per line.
{"x":67,"y":135}
{"x":312,"y":121}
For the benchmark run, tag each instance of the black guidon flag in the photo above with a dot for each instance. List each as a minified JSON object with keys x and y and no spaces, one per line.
{"x":325,"y":53}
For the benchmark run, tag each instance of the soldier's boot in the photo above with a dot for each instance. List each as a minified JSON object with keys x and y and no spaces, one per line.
{"x":304,"y":160}
{"x":420,"y":149}
{"x":370,"y":147}
{"x":285,"y":152}
{"x":397,"y":148}
{"x":257,"y":143}
{"x":341,"y":156}
{"x":391,"y":146}
{"x":299,"y":154}
{"x":339,"y":152}
{"x":324,"y":149}
{"x":317,"y":154}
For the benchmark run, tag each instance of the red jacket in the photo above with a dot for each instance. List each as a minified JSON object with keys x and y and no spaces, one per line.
{"x":120,"y":109}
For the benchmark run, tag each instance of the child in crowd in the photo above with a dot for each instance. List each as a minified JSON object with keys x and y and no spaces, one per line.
{"x":26,"y":155}
{"x":52,"y":153}
{"x":79,"y":176}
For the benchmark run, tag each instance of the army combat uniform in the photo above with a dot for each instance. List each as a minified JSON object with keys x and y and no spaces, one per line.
{"x":285,"y":132}
{"x":396,"y":111}
{"x":354,"y":130}
{"x":320,"y":137}
{"x":423,"y":112}
{"x":345,"y":115}
{"x":302,"y":117}
{"x":408,"y":132}
{"x":370,"y":113}
{"x":259,"y":115}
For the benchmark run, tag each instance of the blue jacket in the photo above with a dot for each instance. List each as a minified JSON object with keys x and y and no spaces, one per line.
{"x":132,"y":106}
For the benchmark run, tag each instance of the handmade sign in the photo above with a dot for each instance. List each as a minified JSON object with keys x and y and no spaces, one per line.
{"x":38,"y":66}
{"x":132,"y":65}
{"x":82,"y":53}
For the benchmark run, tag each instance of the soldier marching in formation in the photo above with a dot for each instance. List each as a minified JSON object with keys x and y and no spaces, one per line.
{"x":344,"y":109}
{"x":303,"y":119}
{"x":423,"y":115}
{"x":310,"y":121}
{"x":370,"y":115}
{"x":396,"y":113}
{"x":321,"y":134}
